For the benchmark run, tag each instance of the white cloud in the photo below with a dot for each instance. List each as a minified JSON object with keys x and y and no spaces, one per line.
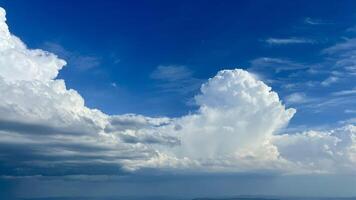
{"x":346,"y":46}
{"x":332,"y":151}
{"x":296,"y":98}
{"x":237,"y":114}
{"x":176,"y":78}
{"x":350,"y":111}
{"x":312,"y":21}
{"x":37,"y":109}
{"x":344,"y":92}
{"x":277,"y":64}
{"x":351,"y":29}
{"x":171,"y":72}
{"x":344,"y":55}
{"x":348,"y":121}
{"x":46,"y":128}
{"x":231,"y":104}
{"x":286,"y":41}
{"x":329,"y":81}
{"x":18,"y":63}
{"x":113,"y":84}
{"x":81,"y":62}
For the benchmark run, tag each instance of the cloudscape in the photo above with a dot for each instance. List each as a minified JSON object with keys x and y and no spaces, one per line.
{"x":100,"y":111}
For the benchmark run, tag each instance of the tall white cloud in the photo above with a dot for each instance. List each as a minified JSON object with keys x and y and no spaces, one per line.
{"x":19,"y":63}
{"x":236,"y":112}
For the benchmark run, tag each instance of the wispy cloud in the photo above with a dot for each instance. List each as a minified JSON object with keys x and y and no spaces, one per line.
{"x":329,"y":102}
{"x":312,"y":21}
{"x":344,"y":92}
{"x":79,"y":61}
{"x":344,"y":55}
{"x":176,"y":78}
{"x":350,"y":111}
{"x":277,"y":64}
{"x":348,"y":121}
{"x":351,"y":29}
{"x":113,"y":84}
{"x":329,"y":81}
{"x":286,"y":41}
{"x":171,"y":73}
{"x":341,"y":47}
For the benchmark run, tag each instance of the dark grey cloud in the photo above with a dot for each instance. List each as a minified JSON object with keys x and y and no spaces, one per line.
{"x":37,"y":129}
{"x":54,"y":158}
{"x":154,"y":138}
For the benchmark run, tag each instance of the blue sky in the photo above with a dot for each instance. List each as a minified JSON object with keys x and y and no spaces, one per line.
{"x":148,"y":126}
{"x":113,"y":47}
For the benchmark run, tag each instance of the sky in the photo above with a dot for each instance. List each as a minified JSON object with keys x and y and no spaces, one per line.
{"x":177,"y":98}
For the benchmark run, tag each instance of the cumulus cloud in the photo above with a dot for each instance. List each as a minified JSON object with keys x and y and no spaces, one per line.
{"x":46,"y":129}
{"x":230,"y":132}
{"x":49,"y":124}
{"x":332,"y":151}
{"x":237,"y":114}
